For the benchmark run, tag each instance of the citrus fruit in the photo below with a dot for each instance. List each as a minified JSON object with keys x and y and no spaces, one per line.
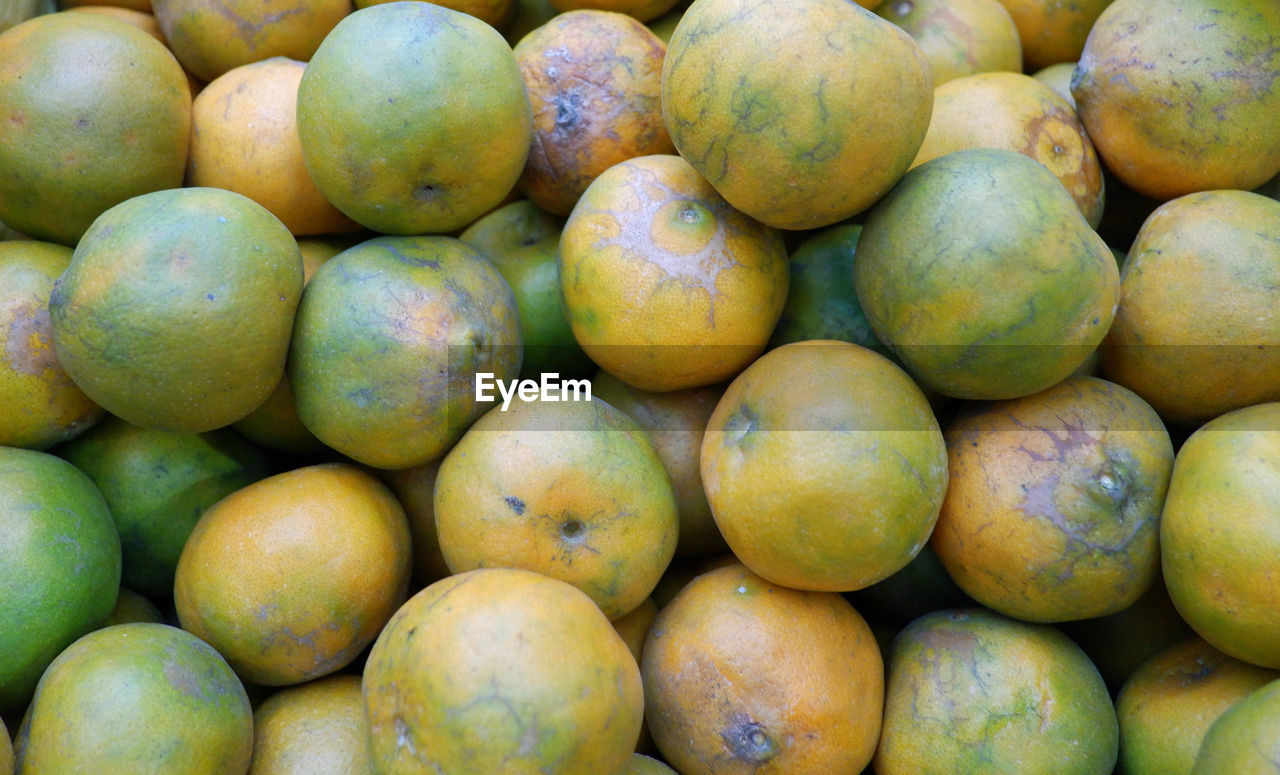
{"x":794,"y":140}
{"x":143,"y":20}
{"x":415,"y":489}
{"x":1220,"y":535}
{"x":1058,"y":78}
{"x":42,"y":406}
{"x":211,"y":37}
{"x":389,"y":339}
{"x":156,"y":485}
{"x":1188,"y":335}
{"x":642,"y":10}
{"x":573,"y":490}
{"x":743,"y":676}
{"x":137,"y":699}
{"x":95,"y":111}
{"x":6,"y":752}
{"x":493,"y":12}
{"x":413,"y":118}
{"x":925,"y":276}
{"x":244,"y":138}
{"x":971,"y":691}
{"x":1168,"y":704}
{"x":665,"y":284}
{"x":685,"y":569}
{"x":1052,"y":510}
{"x":959,"y":37}
{"x":595,"y":84}
{"x":831,"y":486}
{"x":292,"y":576}
{"x":132,"y":607}
{"x":1052,"y":31}
{"x":1177,"y":95}
{"x":59,"y":565}
{"x":1243,"y":740}
{"x":317,"y":728}
{"x":176,"y":310}
{"x":1018,"y":113}
{"x":501,"y":671}
{"x":644,"y":765}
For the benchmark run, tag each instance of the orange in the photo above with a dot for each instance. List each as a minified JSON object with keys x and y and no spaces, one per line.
{"x":59,"y":569}
{"x":1243,"y":741}
{"x":389,"y":339}
{"x":317,"y":728}
{"x":573,"y":490}
{"x":644,"y":765}
{"x":667,"y":286}
{"x":595,"y":84}
{"x":1188,"y":335}
{"x":685,"y":569}
{"x":794,"y":140}
{"x":157,"y":484}
{"x":502,"y":671}
{"x":132,"y":607}
{"x":413,"y":118}
{"x":244,"y":138}
{"x":6,"y":753}
{"x":824,"y":466}
{"x":675,"y":422}
{"x":1018,"y":113}
{"x":1219,"y":541}
{"x":211,"y":37}
{"x":143,"y":6}
{"x":971,"y":691}
{"x":141,"y":19}
{"x":925,"y":276}
{"x":1052,"y":510}
{"x":1169,"y":703}
{"x":177,"y":308}
{"x":1178,"y":95}
{"x":292,"y":576}
{"x":415,"y":489}
{"x":642,"y":10}
{"x":1058,"y":78}
{"x":745,"y":677}
{"x":634,"y":628}
{"x":139,"y":698}
{"x":95,"y":111}
{"x":42,"y":406}
{"x":959,"y":37}
{"x":493,"y":12}
{"x":1053,"y":31}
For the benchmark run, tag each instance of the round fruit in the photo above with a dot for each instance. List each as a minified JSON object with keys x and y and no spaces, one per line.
{"x":139,"y":698}
{"x":177,"y":308}
{"x":493,"y":12}
{"x":1058,"y":78}
{"x":971,"y":691}
{"x":1018,"y":113}
{"x":1188,"y":335}
{"x":413,"y":118}
{"x":1168,"y":704}
{"x":925,"y":276}
{"x":157,"y":484}
{"x":95,"y":111}
{"x":501,"y":670}
{"x":643,"y":765}
{"x":59,"y":565}
{"x":245,"y":139}
{"x":390,"y":337}
{"x":210,"y":37}
{"x":959,"y":37}
{"x":6,"y":752}
{"x":1243,"y":741}
{"x":824,"y":466}
{"x":665,"y":285}
{"x":794,"y":140}
{"x":42,"y":406}
{"x":573,"y":490}
{"x":595,"y":83}
{"x":643,"y":10}
{"x":318,"y":728}
{"x":292,"y":576}
{"x":132,"y":607}
{"x":1052,"y":510}
{"x":1220,"y":533}
{"x":1053,"y":31}
{"x":1178,"y":95}
{"x":742,"y":676}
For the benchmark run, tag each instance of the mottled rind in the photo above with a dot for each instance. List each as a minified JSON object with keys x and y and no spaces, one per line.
{"x":959,"y":37}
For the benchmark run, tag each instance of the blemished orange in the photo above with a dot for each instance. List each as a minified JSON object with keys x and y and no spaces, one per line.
{"x":1052,"y":511}
{"x":824,"y":466}
{"x":317,"y":728}
{"x":1018,"y":113}
{"x":667,"y":286}
{"x":291,"y":577}
{"x":1243,"y":740}
{"x":143,"y":20}
{"x":1052,"y":31}
{"x":743,"y":676}
{"x":244,"y":138}
{"x":794,"y":140}
{"x":644,"y":765}
{"x":959,"y":37}
{"x":502,"y":670}
{"x":573,"y":490}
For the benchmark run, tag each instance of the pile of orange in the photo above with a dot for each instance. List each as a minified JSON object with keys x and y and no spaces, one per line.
{"x":639,"y":386}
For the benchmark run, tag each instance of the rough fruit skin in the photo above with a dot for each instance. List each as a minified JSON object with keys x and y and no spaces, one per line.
{"x":793,"y":139}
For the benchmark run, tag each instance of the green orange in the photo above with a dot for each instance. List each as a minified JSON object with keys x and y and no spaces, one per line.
{"x":959,"y":37}
{"x":317,"y":728}
{"x":1243,"y":741}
